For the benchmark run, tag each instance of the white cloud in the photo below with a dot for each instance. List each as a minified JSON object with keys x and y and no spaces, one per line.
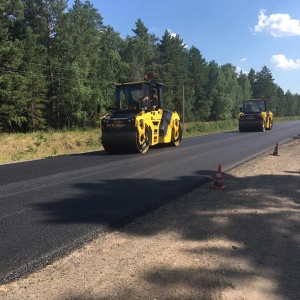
{"x":174,"y":35}
{"x":238,"y":70}
{"x":281,"y":62}
{"x":243,"y":59}
{"x":277,"y":25}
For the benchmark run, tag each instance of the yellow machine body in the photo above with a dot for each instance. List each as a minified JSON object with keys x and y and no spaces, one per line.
{"x":135,"y":124}
{"x":255,"y":116}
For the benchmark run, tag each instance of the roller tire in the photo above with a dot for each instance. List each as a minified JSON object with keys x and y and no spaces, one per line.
{"x":144,"y":147}
{"x":176,"y":141}
{"x":270,"y":125}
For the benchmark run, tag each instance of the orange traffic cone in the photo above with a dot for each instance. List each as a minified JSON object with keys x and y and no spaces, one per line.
{"x":275,"y":152}
{"x":218,"y":181}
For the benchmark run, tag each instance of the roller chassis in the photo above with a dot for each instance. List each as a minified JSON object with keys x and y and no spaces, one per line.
{"x":136,"y":129}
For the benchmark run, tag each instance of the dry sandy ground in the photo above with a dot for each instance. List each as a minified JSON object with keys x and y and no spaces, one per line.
{"x":239,"y":243}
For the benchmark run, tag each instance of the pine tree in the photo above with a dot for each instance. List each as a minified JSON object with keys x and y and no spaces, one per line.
{"x":35,"y":70}
{"x":264,"y":84}
{"x":44,"y":17}
{"x":279,"y":102}
{"x":199,"y":76}
{"x":213,"y":89}
{"x":245,"y":85}
{"x":252,"y":76}
{"x":13,"y":101}
{"x":76,"y":61}
{"x":243,"y":92}
{"x":291,"y":104}
{"x":231,"y":91}
{"x":173,"y":70}
{"x":139,"y":52}
{"x":297,"y":97}
{"x":111,"y":66}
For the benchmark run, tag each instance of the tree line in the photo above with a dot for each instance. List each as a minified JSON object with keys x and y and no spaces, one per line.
{"x":58,"y":63}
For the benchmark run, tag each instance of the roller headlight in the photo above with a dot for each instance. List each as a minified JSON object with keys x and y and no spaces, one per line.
{"x":131,"y":120}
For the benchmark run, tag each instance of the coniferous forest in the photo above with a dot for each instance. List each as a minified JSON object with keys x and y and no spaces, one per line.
{"x":58,"y":63}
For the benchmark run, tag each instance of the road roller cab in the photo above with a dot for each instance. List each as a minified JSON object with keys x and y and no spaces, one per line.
{"x":255,"y":115}
{"x":138,"y":119}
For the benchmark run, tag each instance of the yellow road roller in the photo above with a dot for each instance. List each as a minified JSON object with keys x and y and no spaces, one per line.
{"x":138,"y":119}
{"x":255,"y":115}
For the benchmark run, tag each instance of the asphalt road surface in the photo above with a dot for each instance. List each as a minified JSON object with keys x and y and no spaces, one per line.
{"x":52,"y":206}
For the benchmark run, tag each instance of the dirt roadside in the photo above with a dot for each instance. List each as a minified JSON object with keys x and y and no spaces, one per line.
{"x":239,"y":243}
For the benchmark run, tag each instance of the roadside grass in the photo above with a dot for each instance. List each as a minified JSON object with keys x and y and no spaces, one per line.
{"x":201,"y":128}
{"x":16,"y":147}
{"x":20,"y":147}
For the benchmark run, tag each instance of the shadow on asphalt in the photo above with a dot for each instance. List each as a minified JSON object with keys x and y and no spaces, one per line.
{"x":266,"y":234}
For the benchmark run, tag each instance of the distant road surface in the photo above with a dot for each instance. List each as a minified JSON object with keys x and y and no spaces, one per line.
{"x":51,"y":206}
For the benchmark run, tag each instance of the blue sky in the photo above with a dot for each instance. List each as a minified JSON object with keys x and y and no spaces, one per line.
{"x":247,"y":34}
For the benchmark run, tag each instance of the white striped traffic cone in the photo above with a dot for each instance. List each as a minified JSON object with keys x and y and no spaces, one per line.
{"x":218,"y":181}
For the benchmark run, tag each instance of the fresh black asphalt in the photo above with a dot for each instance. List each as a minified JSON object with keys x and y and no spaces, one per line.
{"x":51,"y":206}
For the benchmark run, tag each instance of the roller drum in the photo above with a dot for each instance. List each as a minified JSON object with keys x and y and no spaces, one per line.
{"x":119,"y":142}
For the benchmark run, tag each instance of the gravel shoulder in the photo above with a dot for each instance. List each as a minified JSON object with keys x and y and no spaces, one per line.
{"x":242,"y":242}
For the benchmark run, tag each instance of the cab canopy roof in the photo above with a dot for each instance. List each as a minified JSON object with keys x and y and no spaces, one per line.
{"x":150,"y":82}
